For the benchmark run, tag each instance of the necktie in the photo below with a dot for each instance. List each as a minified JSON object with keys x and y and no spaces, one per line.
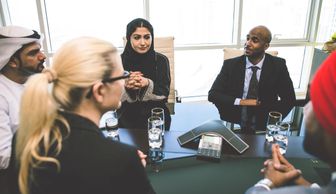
{"x":248,"y":113}
{"x":252,"y":92}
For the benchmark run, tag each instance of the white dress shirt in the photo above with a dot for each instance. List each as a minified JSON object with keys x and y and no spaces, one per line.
{"x":248,"y":75}
{"x":10,"y":97}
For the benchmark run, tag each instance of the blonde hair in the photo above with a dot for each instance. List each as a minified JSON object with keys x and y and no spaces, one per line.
{"x":77,"y":65}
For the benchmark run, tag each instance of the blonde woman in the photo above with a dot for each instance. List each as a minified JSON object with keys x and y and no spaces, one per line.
{"x":59,"y":147}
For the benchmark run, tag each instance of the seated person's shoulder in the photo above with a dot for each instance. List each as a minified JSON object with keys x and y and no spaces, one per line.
{"x":117,"y":147}
{"x":233,"y":61}
{"x":161,"y":57}
{"x":276,"y":58}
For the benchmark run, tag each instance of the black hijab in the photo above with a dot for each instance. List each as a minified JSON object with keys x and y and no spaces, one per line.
{"x":134,"y":61}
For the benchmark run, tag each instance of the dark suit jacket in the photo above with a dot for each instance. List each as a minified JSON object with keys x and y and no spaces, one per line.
{"x":90,"y":163}
{"x":274,"y":82}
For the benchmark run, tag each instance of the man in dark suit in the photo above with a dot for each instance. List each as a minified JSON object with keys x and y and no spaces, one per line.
{"x":319,"y":140}
{"x":271,"y":86}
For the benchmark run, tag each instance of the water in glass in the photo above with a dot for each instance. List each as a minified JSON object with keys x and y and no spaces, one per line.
{"x":159,"y":112}
{"x":281,"y":136}
{"x":155,"y":137}
{"x":272,"y":125}
{"x":271,"y":130}
{"x":156,"y":156}
{"x":282,"y":141}
{"x":111,"y":125}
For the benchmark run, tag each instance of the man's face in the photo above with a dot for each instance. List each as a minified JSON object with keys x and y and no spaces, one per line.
{"x":314,"y":140}
{"x":31,"y":59}
{"x":255,"y":44}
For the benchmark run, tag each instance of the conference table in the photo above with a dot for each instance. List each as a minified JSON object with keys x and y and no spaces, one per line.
{"x":181,"y":172}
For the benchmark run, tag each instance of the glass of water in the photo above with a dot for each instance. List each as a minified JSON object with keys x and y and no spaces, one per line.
{"x":156,"y":157}
{"x":155,"y":127}
{"x":111,"y":126}
{"x":159,"y":112}
{"x":281,"y":136}
{"x":272,"y":125}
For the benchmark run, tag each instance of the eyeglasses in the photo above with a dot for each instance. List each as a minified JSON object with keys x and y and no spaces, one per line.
{"x":110,"y":80}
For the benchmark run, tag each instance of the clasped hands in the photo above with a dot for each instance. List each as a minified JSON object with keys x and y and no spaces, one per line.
{"x":136,"y":81}
{"x":280,"y":171}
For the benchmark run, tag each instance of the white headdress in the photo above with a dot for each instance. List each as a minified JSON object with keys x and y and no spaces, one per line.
{"x":12,"y":38}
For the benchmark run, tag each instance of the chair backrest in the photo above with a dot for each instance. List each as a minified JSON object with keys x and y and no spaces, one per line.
{"x":165,"y":45}
{"x":231,"y":53}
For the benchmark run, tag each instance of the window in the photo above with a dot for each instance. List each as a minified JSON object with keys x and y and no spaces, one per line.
{"x":286,"y":19}
{"x":193,"y":22}
{"x":196,"y":71}
{"x":100,"y":18}
{"x":327,"y":25}
{"x":294,"y":60}
{"x":202,"y":28}
{"x":23,"y":13}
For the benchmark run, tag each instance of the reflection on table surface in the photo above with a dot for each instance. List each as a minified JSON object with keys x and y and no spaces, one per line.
{"x":258,"y":146}
{"x":181,"y":172}
{"x":231,"y":175}
{"x":190,"y":115}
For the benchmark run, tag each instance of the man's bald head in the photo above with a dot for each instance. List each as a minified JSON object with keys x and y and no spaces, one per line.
{"x":263,"y":32}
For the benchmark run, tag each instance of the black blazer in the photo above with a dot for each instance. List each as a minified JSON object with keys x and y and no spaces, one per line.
{"x":90,"y":163}
{"x":274,"y":82}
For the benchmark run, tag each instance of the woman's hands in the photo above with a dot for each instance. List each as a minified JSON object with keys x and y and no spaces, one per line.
{"x":136,"y":81}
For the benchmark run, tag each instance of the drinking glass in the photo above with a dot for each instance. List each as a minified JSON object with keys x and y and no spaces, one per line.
{"x":159,"y":112}
{"x":281,"y":136}
{"x":273,"y":119}
{"x":155,"y":127}
{"x":156,"y":156}
{"x":111,"y":126}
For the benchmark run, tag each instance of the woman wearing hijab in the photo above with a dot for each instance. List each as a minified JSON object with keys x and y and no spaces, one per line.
{"x":149,"y":82}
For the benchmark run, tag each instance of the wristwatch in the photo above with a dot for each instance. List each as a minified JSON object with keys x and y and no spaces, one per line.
{"x":266,"y":183}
